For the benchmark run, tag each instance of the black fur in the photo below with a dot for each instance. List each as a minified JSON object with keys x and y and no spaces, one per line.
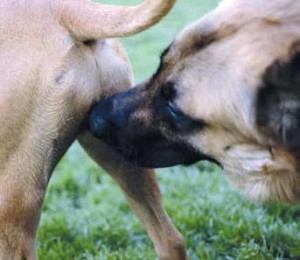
{"x":116,"y":120}
{"x":160,"y":67}
{"x":278,"y":103}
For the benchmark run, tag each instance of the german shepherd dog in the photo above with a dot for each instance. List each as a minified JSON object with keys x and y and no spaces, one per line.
{"x":227,"y":90}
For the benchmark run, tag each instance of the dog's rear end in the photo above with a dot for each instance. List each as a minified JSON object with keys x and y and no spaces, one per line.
{"x":53,"y":67}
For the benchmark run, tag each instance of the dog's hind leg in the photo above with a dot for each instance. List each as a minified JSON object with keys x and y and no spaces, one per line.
{"x":142,"y":192}
{"x":21,"y":198}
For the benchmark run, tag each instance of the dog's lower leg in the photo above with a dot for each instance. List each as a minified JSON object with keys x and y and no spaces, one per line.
{"x":21,"y":198}
{"x":16,"y":243}
{"x":141,"y":189}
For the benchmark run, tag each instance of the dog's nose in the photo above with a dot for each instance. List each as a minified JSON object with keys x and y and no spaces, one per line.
{"x":98,"y":125}
{"x":99,"y":121}
{"x":113,"y":113}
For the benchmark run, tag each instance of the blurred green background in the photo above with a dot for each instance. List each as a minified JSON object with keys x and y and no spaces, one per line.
{"x":85,"y":216}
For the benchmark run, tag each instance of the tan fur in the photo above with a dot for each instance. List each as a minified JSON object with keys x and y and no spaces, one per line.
{"x":48,"y":82}
{"x":84,"y":19}
{"x":216,"y":84}
{"x":219,"y":83}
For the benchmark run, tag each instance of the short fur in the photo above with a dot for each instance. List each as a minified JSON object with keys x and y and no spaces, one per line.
{"x":50,"y":75}
{"x":237,"y":71}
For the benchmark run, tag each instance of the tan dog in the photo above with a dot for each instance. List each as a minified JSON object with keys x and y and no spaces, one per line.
{"x":53,"y":68}
{"x":228,"y":90}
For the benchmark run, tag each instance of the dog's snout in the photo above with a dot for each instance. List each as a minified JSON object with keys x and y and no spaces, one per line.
{"x":98,"y":123}
{"x":113,"y":114}
{"x":100,"y":120}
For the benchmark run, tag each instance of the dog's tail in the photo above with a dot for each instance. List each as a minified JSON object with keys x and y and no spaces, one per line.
{"x":89,"y":21}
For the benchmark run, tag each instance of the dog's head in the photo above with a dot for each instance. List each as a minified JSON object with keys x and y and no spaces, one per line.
{"x":227,"y":90}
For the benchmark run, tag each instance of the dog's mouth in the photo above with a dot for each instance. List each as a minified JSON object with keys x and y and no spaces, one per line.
{"x":159,"y":154}
{"x":149,"y":150}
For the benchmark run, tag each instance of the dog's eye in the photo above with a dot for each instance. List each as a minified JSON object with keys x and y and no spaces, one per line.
{"x":173,"y":111}
{"x":180,"y":121}
{"x":168,"y":91}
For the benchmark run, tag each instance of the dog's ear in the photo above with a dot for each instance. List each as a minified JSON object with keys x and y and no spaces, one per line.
{"x":278,"y":103}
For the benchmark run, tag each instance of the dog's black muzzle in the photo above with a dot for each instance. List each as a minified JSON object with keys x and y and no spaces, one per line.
{"x":118,"y":122}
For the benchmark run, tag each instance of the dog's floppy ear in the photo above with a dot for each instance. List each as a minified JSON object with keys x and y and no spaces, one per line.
{"x":278,"y":102}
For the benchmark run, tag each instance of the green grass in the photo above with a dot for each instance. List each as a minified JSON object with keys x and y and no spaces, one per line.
{"x":85,"y":216}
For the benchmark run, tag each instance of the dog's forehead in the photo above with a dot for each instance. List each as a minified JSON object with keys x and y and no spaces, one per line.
{"x":243,"y":18}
